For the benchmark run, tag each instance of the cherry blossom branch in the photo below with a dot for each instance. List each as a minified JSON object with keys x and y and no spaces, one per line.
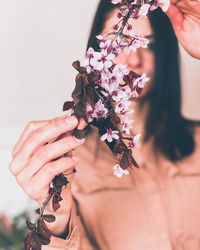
{"x":100,"y":99}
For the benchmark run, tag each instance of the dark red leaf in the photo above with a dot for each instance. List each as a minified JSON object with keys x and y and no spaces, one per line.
{"x":93,"y":77}
{"x":91,"y":95}
{"x":67,"y":105}
{"x":60,"y":180}
{"x":35,"y":241}
{"x":77,"y":66}
{"x":78,"y":94}
{"x":44,"y":241}
{"x":139,"y":90}
{"x":27,"y":239}
{"x":42,"y":229}
{"x":55,"y":202}
{"x":49,"y":218}
{"x":37,"y":210}
{"x":79,"y":134}
{"x":119,"y":147}
{"x":125,"y":161}
{"x":30,"y":225}
{"x":80,"y":111}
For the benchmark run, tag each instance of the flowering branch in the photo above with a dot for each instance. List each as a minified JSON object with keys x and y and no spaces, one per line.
{"x":101,"y":99}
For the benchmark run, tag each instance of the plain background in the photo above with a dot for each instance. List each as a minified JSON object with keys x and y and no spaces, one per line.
{"x":39,"y":40}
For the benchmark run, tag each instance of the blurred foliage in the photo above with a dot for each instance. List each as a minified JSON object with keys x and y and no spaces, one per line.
{"x":12,"y":239}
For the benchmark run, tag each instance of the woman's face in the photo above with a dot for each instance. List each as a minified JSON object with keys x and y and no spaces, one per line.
{"x":142,"y":60}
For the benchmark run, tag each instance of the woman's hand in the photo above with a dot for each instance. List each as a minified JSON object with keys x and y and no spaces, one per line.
{"x":185,"y":18}
{"x":34,"y":169}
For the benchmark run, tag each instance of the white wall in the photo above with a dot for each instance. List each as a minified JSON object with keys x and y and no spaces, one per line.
{"x":39,"y":41}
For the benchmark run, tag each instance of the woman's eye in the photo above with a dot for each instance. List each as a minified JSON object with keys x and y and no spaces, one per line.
{"x":151,"y":46}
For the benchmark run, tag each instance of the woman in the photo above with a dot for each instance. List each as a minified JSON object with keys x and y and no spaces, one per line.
{"x":150,"y":208}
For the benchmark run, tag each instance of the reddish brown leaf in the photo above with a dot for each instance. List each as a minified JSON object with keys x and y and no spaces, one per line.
{"x":77,"y":66}
{"x":44,"y":241}
{"x":27,"y":239}
{"x":49,"y":218}
{"x":68,"y":105}
{"x":30,"y":225}
{"x":93,"y":77}
{"x":37,"y":210}
{"x":79,"y":92}
{"x":35,"y":241}
{"x":42,"y":229}
{"x":79,"y":134}
{"x":55,"y":203}
{"x":126,"y":160}
{"x":80,"y":112}
{"x":119,"y":147}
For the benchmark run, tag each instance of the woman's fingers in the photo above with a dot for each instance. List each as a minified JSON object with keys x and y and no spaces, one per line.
{"x":31,"y":126}
{"x":37,"y":187}
{"x":37,"y":156}
{"x":45,"y":154}
{"x":38,"y":137}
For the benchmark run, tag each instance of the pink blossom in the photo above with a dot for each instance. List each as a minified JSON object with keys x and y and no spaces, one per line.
{"x":104,"y":43}
{"x":164,"y":4}
{"x":89,"y":111}
{"x":98,"y":111}
{"x":116,"y":1}
{"x":144,"y":10}
{"x":116,"y":94}
{"x":136,"y":43}
{"x":123,"y":104}
{"x":109,"y":81}
{"x":135,"y":140}
{"x":126,"y":111}
{"x":120,"y":71}
{"x":110,"y":135}
{"x":127,"y":125}
{"x":118,"y":171}
{"x":86,"y":61}
{"x":140,"y":81}
{"x":102,"y":60}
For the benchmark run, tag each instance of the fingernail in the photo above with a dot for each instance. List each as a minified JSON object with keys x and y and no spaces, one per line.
{"x":71,"y":120}
{"x":75,"y":158}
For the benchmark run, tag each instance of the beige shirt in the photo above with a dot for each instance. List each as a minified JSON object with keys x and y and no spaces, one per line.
{"x":155,"y":207}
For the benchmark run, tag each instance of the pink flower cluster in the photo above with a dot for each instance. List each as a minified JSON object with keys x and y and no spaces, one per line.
{"x":97,"y":111}
{"x":145,"y":7}
{"x":113,"y":77}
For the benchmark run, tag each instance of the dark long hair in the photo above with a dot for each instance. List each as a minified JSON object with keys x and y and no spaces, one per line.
{"x":171,"y":132}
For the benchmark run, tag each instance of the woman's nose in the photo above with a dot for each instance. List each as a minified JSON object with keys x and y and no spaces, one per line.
{"x":134,"y":60}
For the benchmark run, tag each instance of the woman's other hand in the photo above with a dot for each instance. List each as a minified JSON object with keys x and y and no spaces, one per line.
{"x":34,"y":169}
{"x":185,"y":18}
